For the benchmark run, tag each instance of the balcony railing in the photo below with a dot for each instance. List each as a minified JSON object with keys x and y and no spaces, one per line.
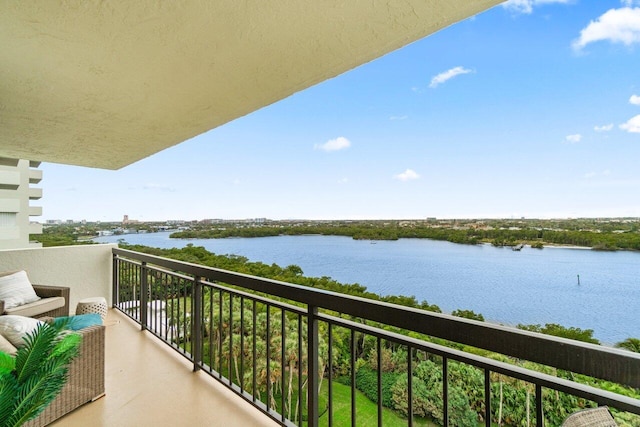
{"x":281,"y":347}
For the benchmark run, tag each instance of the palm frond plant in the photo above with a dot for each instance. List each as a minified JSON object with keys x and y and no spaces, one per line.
{"x":34,"y":377}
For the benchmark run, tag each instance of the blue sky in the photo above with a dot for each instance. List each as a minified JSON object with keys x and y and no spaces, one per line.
{"x":529,"y":109}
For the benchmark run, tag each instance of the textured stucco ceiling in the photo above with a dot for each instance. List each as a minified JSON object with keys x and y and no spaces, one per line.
{"x":106,"y":83}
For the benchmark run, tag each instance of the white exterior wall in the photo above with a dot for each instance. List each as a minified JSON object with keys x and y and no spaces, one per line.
{"x":15,"y":210}
{"x":86,"y":269}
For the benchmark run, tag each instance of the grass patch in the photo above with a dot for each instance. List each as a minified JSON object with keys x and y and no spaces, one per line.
{"x":366,"y":410}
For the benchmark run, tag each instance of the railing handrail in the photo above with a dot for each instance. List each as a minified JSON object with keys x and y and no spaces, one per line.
{"x":616,"y":365}
{"x":621,"y":402}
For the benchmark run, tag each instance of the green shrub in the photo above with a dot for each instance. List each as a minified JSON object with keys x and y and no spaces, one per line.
{"x":367,"y":383}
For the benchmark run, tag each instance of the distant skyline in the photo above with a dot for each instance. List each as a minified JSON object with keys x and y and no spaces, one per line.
{"x":531,"y":109}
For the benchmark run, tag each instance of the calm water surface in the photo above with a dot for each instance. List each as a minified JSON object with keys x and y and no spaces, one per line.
{"x":509,"y":287}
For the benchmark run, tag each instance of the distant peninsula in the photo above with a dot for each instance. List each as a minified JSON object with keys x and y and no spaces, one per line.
{"x":597,"y":234}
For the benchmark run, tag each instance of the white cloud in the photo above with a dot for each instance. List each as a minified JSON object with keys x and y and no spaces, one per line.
{"x":590,"y":175}
{"x":398,"y":117}
{"x":340,"y":143}
{"x":603,"y":128}
{"x":343,"y":181}
{"x":526,"y":6}
{"x":629,"y":3}
{"x":616,"y":25}
{"x":635,"y":99}
{"x":573,"y":139}
{"x":159,"y":187}
{"x":407,"y":175}
{"x":632,"y":125}
{"x":449,"y":74}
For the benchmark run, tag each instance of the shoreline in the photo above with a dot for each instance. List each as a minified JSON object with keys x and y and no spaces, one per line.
{"x":160,"y":241}
{"x":527,"y":245}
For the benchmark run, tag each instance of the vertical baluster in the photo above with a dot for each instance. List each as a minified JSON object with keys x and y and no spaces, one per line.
{"x":445,"y":391}
{"x":163,"y":299}
{"x":143,"y":296}
{"x":170,"y":311}
{"x":330,"y":379}
{"x":379,"y":378}
{"x":312,"y":366}
{"x":410,"y":385}
{"x":241,"y":344}
{"x":539,"y":412}
{"x":268,"y":343}
{"x":253,"y":385}
{"x":487,"y":397}
{"x":138,"y":275}
{"x":283,"y":337}
{"x":187,"y":321}
{"x":220,"y":334}
{"x":115,"y":280}
{"x":212,"y":347}
{"x":134,"y":285}
{"x":131,"y":294}
{"x":353,"y":377}
{"x":136,"y":279}
{"x":300,"y":369}
{"x":151,"y":280}
{"x":196,"y":323}
{"x":230,"y":337}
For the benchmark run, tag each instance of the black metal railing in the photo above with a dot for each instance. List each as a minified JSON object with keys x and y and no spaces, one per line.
{"x":284,"y":348}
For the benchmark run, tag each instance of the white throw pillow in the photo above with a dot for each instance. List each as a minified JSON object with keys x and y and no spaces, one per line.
{"x":7,"y":347}
{"x":15,"y":328}
{"x":16,"y":289}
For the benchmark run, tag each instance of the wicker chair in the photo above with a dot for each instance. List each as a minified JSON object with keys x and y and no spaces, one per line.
{"x":47,"y":292}
{"x":85,"y":382}
{"x":595,"y":417}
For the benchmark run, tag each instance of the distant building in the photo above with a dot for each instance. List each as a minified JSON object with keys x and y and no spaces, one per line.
{"x":126,"y":220}
{"x":16,"y":193}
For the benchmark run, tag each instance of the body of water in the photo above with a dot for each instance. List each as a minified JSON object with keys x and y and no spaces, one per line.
{"x":510,"y":287}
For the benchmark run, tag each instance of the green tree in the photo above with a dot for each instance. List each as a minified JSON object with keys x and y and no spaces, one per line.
{"x":468,"y":314}
{"x":631,"y":344}
{"x":585,"y":335}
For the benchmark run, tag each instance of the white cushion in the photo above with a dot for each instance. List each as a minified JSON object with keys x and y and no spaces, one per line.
{"x":7,"y":347}
{"x":15,"y":328}
{"x":16,"y":289}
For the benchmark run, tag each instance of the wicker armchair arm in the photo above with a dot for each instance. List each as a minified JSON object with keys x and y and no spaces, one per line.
{"x":54,"y":291}
{"x":51,"y":291}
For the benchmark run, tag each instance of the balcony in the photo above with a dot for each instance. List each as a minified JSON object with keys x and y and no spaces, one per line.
{"x":157,"y":387}
{"x":225,"y":326}
{"x":35,"y":193}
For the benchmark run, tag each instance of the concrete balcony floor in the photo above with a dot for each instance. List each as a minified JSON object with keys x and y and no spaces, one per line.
{"x":149,"y":384}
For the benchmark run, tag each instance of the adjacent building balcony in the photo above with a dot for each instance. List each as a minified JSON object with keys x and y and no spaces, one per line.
{"x":35,"y":193}
{"x":194,"y":345}
{"x":35,"y":175}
